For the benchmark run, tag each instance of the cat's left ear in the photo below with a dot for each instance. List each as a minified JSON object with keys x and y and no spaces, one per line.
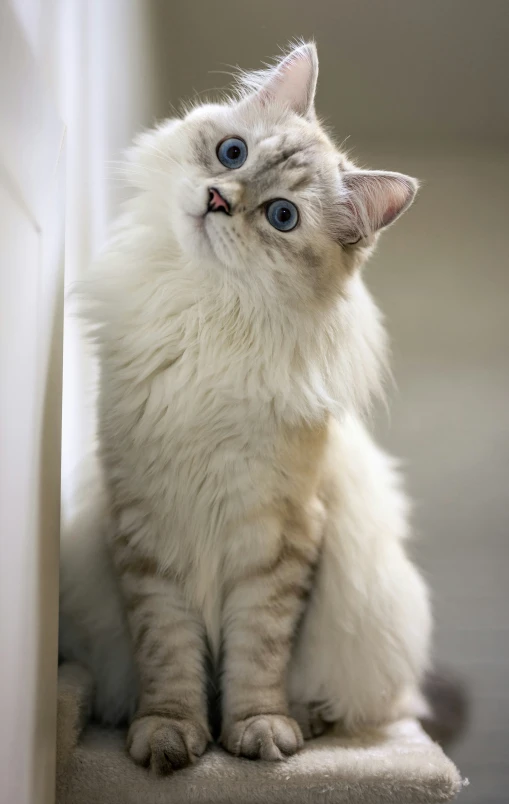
{"x":292,"y":82}
{"x":369,"y":201}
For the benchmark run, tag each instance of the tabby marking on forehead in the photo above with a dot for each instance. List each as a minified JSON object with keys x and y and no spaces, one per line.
{"x":203,"y":155}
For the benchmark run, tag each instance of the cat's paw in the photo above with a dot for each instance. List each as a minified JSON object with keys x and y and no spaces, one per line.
{"x":166,"y":744}
{"x":309,"y":719}
{"x":270,"y":737}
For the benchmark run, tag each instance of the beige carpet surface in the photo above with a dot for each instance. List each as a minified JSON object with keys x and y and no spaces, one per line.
{"x":400,"y":764}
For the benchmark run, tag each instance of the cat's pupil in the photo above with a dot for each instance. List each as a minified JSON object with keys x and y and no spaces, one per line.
{"x":233,"y":152}
{"x":284,"y":214}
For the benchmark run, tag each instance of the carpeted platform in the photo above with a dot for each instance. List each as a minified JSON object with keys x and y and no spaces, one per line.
{"x":399,"y":765}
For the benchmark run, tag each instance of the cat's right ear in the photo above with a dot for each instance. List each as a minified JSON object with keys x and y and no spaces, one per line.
{"x":369,"y":201}
{"x":291,"y":83}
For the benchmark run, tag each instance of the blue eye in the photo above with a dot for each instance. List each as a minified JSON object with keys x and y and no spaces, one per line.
{"x":282,"y":215}
{"x":232,"y":152}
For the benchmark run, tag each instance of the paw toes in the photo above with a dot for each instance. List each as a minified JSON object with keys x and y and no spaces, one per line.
{"x":166,"y":744}
{"x":268,"y":737}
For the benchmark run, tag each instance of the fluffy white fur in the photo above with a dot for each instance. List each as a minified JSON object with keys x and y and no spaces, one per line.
{"x":207,"y":346}
{"x":364,"y":637}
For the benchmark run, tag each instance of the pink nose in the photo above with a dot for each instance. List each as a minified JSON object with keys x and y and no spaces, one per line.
{"x":216,"y":202}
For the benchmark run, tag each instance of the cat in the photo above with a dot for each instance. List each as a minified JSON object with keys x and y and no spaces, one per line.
{"x":241,"y":513}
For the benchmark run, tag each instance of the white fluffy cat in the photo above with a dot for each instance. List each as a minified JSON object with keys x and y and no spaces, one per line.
{"x":240,"y":508}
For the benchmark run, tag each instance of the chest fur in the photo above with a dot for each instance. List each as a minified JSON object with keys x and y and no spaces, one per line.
{"x":199,"y":468}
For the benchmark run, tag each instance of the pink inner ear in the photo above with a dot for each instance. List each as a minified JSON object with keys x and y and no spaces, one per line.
{"x":388,"y":198}
{"x":375,"y":199}
{"x":294,"y":79}
{"x":401,"y":195}
{"x":292,"y":82}
{"x":391,"y":212}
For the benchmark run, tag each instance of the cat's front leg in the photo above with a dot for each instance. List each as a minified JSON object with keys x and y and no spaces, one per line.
{"x":259,"y":621}
{"x":170,"y":729}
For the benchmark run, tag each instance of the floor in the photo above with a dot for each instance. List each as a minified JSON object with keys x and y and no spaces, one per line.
{"x":442,"y":278}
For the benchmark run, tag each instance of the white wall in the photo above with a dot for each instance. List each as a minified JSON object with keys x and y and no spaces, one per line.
{"x":77,"y":80}
{"x":109,"y":92}
{"x":32,"y":223}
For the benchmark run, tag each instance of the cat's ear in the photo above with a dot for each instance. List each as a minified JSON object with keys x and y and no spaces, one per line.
{"x":370,"y":200}
{"x":292,"y":82}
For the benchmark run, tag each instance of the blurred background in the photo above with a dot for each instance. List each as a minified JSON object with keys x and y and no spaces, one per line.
{"x":413,"y":86}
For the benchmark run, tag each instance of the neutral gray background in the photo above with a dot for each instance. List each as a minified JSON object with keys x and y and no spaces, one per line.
{"x":418,"y":87}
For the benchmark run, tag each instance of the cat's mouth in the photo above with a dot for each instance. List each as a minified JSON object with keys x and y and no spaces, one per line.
{"x":222,"y":239}
{"x":215,"y":232}
{"x":213,"y":237}
{"x":204,"y":236}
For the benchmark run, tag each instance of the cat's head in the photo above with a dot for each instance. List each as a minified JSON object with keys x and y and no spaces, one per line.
{"x":254,"y":188}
